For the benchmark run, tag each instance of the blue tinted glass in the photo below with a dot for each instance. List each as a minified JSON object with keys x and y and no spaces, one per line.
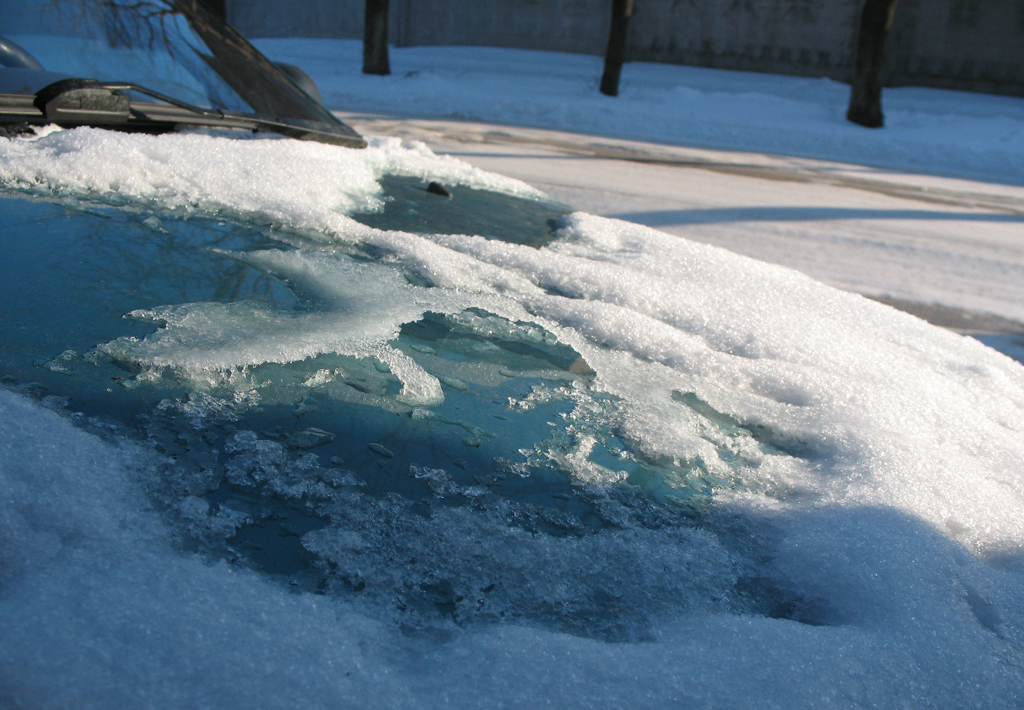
{"x":146,"y":43}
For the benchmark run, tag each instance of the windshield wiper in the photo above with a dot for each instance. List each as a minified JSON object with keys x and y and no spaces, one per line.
{"x":87,"y":102}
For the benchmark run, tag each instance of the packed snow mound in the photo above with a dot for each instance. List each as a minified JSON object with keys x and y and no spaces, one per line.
{"x":282,"y":181}
{"x":881,"y":464}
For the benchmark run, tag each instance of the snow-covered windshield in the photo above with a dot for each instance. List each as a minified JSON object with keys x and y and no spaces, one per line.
{"x":263,"y":428}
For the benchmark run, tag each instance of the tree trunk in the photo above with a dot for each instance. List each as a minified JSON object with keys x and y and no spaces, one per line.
{"x":866,"y":90}
{"x":375,"y":38}
{"x":616,"y":53}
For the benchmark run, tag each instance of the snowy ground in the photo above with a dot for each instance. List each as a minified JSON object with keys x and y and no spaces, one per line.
{"x":926,"y":214}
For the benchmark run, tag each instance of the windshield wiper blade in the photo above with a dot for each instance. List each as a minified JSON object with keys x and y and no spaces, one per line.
{"x":87,"y":102}
{"x":64,"y":94}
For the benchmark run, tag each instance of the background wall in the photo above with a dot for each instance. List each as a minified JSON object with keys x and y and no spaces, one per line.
{"x":961,"y":44}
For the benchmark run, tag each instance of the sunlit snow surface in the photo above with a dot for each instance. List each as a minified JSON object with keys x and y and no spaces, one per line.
{"x":821,"y":506}
{"x":931,"y":131}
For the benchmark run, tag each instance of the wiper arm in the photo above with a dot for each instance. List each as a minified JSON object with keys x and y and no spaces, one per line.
{"x":83,"y":100}
{"x":87,"y":102}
